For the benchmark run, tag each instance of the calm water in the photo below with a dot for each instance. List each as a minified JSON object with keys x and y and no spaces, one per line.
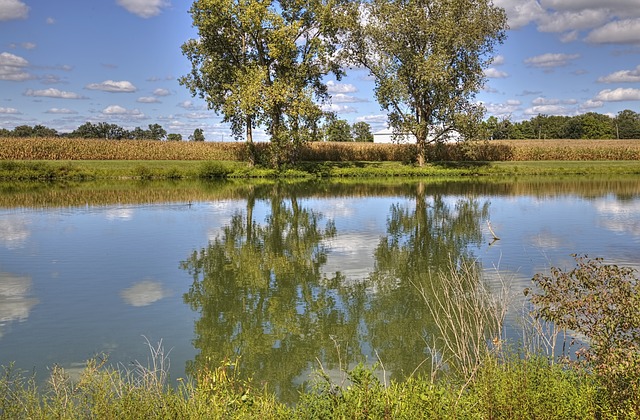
{"x":285,"y":275}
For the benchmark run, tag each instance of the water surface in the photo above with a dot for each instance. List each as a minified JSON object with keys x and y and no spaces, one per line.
{"x":289,"y":276}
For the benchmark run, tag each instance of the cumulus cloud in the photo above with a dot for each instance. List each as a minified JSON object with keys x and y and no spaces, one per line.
{"x":622,"y":76}
{"x":53,"y":93}
{"x":338,"y":109}
{"x":573,"y":20}
{"x":148,"y":100}
{"x":335,"y":87}
{"x":591,"y":104}
{"x":617,"y":95}
{"x":521,"y":13}
{"x":15,"y":303}
{"x":144,"y":293}
{"x":548,"y":110}
{"x":144,"y":8}
{"x":13,"y":9}
{"x":4,"y":110}
{"x":550,"y":60}
{"x":617,"y":32}
{"x":117,"y":110}
{"x":60,"y":111}
{"x":161,"y":92}
{"x":503,"y":109}
{"x":552,"y":101}
{"x":113,"y":86}
{"x":498,"y":60}
{"x":493,"y":73}
{"x":342,"y":98}
{"x":12,"y":67}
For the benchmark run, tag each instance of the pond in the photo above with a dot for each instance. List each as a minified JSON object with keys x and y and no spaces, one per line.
{"x":290,"y":276}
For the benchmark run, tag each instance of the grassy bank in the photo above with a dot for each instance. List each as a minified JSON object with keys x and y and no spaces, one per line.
{"x":509,"y":388}
{"x":176,"y":169}
{"x":81,"y":159}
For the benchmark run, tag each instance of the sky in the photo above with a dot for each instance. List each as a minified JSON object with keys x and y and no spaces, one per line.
{"x":67,"y":62}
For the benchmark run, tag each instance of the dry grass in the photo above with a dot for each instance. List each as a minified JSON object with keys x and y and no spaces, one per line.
{"x":497,"y":150}
{"x":563,"y":149}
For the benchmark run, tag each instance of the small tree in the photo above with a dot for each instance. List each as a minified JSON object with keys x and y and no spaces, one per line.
{"x":198,"y":135}
{"x":602,"y":303}
{"x":174,"y":137}
{"x":361,"y":132}
{"x":338,"y":130}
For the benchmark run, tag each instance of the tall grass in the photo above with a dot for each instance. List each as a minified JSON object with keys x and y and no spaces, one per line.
{"x":502,"y":150}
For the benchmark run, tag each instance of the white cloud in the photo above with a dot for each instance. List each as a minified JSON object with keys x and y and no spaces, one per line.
{"x":550,"y":60}
{"x":144,"y":293}
{"x":591,"y":104}
{"x":338,"y":109}
{"x":12,"y":67}
{"x":50,"y":21}
{"x":502,"y":109}
{"x":617,"y":32}
{"x":547,"y":109}
{"x":622,"y":76}
{"x":148,"y":100}
{"x":114,"y":109}
{"x":120,"y":112}
{"x":161,"y":92}
{"x":521,"y":13}
{"x":341,"y":98}
{"x":498,"y":60}
{"x":8,"y":110}
{"x":545,"y":101}
{"x":60,"y":111}
{"x":493,"y":73}
{"x":620,"y":94}
{"x":113,"y":86}
{"x":186,"y":104}
{"x":13,"y":9}
{"x":144,"y":8}
{"x":335,"y":87}
{"x":53,"y":93}
{"x":573,"y":20}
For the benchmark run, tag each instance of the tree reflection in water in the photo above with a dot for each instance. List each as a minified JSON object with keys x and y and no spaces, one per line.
{"x":261,"y":292}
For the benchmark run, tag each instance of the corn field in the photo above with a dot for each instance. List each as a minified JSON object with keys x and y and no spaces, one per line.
{"x":498,"y":150}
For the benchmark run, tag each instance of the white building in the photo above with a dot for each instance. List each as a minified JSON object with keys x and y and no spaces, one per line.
{"x":386,"y":136}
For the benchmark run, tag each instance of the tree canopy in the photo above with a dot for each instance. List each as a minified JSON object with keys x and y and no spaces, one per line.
{"x":261,"y":63}
{"x":428,"y":59}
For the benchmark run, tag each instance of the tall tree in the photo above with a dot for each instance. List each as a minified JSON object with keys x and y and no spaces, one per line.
{"x":428,"y":59}
{"x":338,"y":130}
{"x":261,"y":62}
{"x":361,"y":131}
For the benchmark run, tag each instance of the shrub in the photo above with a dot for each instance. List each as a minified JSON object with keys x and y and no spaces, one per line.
{"x":602,"y":302}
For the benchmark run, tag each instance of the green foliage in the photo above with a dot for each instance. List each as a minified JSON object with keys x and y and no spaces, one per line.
{"x":361,"y":132}
{"x":213,"y":169}
{"x":592,"y":125}
{"x":427,"y":59}
{"x":601,"y":302}
{"x":338,"y":130}
{"x":262,"y":63}
{"x":198,"y":135}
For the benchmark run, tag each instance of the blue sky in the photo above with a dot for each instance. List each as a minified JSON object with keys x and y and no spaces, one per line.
{"x":66,"y":62}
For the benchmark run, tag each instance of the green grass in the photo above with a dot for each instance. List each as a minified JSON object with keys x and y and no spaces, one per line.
{"x":173,"y":169}
{"x":510,"y":388}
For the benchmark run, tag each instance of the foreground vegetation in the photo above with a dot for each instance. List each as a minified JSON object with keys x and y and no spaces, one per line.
{"x":56,"y":158}
{"x":473,"y":376}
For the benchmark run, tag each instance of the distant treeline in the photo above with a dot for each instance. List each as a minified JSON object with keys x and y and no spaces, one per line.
{"x":592,"y":125}
{"x":101,"y":130}
{"x":625,"y":125}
